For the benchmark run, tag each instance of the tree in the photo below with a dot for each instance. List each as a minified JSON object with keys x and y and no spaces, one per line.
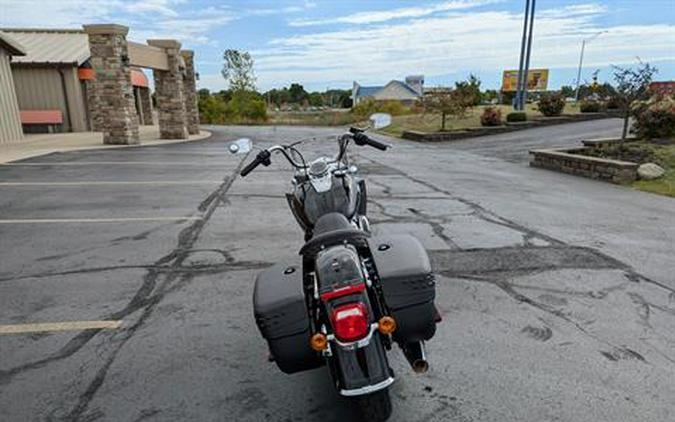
{"x":632,"y":84}
{"x":471,"y":88}
{"x":315,"y":99}
{"x":238,"y":70}
{"x":447,"y":102}
{"x":567,"y":91}
{"x":297,"y":93}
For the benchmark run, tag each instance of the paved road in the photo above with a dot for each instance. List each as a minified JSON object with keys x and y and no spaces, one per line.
{"x":557,"y":292}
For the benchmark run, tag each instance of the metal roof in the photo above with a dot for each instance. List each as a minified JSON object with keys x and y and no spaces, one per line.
{"x":13,"y":47}
{"x":51,"y":46}
{"x":367,"y":91}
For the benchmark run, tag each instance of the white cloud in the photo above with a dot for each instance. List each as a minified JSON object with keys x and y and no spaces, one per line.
{"x":162,"y":7}
{"x":387,"y":15}
{"x":457,"y":42}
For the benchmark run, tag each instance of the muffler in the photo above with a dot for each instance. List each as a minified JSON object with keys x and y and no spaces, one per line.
{"x":416,"y":356}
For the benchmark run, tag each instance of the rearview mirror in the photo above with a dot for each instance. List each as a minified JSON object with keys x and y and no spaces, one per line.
{"x":241,"y":146}
{"x":380,"y":120}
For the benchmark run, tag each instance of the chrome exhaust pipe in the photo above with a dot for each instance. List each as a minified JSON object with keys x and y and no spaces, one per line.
{"x":416,"y":356}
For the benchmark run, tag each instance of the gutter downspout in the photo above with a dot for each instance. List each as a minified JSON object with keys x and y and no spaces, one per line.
{"x":65,"y":98}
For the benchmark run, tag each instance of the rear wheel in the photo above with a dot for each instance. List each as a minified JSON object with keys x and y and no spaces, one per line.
{"x":375,"y":407}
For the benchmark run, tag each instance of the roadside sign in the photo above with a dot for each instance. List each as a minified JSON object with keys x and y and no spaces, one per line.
{"x":537,"y":80}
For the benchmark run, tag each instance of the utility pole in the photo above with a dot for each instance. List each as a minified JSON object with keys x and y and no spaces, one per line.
{"x":581,"y":62}
{"x":516,"y":100}
{"x":523,"y":95}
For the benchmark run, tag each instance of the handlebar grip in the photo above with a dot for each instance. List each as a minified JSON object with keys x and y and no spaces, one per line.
{"x":377,"y":144}
{"x":263,"y":157}
{"x":363,"y":139}
{"x":250,"y":167}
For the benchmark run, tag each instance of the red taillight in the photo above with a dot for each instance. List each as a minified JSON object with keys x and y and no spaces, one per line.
{"x":350,"y":321}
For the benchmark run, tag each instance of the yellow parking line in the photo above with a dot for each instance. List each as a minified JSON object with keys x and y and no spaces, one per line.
{"x":107,"y":163}
{"x":95,"y":220}
{"x":59,"y":326}
{"x":113,"y":183}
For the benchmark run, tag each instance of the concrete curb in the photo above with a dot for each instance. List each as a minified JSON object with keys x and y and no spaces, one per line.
{"x":506,"y":128}
{"x":568,"y":160}
{"x":19,"y":154}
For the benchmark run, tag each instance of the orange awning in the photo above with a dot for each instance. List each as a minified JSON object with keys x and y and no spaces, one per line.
{"x":41,"y":117}
{"x":138,"y":78}
{"x":85,"y":74}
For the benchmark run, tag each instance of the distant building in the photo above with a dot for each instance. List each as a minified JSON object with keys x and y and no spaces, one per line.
{"x":406,"y":92}
{"x":10,"y":122}
{"x":54,"y":76}
{"x":665,"y":87}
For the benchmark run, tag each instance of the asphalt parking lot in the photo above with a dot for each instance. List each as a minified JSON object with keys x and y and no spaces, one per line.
{"x":126,"y":279}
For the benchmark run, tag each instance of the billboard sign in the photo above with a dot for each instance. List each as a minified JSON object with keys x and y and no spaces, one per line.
{"x":537,"y":80}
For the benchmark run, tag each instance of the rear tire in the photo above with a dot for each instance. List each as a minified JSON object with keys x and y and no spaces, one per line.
{"x":375,"y":407}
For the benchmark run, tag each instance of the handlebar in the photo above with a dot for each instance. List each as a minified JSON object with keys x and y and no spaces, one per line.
{"x":362,"y":139}
{"x":263,"y":157}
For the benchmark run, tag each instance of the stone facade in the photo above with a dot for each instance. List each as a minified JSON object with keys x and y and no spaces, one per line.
{"x":565,"y":160}
{"x":190,"y":87}
{"x":146,"y":106}
{"x":111,"y":100}
{"x":169,"y":92}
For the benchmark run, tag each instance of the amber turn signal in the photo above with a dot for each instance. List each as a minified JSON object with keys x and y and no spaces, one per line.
{"x":318,"y":342}
{"x":386,"y":325}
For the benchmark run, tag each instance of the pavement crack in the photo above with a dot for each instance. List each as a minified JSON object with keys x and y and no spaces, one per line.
{"x":143,"y":299}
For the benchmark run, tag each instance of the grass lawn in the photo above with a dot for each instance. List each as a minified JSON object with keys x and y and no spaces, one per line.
{"x":659,"y":152}
{"x":432,"y":122}
{"x":664,"y":155}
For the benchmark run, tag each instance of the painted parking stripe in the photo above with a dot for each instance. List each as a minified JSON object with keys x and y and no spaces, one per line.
{"x":59,"y":326}
{"x":95,"y":220}
{"x":114,"y":183}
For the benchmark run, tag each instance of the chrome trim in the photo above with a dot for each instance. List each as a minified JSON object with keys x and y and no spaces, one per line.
{"x":358,"y":343}
{"x":368,"y":389}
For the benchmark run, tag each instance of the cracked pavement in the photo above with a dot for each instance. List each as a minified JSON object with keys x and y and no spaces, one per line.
{"x":557,"y":292}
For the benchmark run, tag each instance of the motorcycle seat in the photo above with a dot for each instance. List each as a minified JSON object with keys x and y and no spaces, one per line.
{"x":332,"y":229}
{"x":331,"y":222}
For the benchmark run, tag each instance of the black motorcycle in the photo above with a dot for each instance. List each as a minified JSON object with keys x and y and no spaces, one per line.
{"x":349,"y":296}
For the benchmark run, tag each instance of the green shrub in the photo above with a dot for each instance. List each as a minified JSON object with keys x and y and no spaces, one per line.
{"x":613,"y":103}
{"x":368,"y":106}
{"x":364,"y":109}
{"x":516,"y":116}
{"x":551,"y":104}
{"x":654,"y":118}
{"x":246,"y":107}
{"x":395,"y":108}
{"x":590,"y":106}
{"x":491,"y":117}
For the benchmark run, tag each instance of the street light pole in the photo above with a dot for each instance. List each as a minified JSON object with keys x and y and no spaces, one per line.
{"x":581,"y":62}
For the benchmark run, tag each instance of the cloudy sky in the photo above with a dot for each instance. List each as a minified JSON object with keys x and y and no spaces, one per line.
{"x":330,"y":43}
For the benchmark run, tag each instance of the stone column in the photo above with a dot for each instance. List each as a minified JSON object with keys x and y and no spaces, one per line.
{"x":190,"y":87}
{"x":169,"y":91}
{"x":112,"y":96}
{"x":146,"y":105}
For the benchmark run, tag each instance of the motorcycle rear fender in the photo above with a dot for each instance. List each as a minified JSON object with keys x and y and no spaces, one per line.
{"x":360,"y":370}
{"x":359,"y":367}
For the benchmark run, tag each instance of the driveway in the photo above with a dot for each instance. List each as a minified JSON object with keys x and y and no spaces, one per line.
{"x":557,"y":292}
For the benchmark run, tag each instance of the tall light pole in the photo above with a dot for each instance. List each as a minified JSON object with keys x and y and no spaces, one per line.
{"x":523,"y":95}
{"x":525,"y":50}
{"x":523,"y":46}
{"x":581,"y":62}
